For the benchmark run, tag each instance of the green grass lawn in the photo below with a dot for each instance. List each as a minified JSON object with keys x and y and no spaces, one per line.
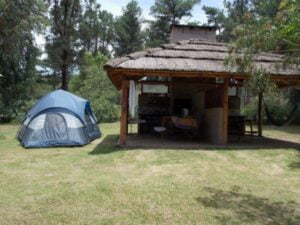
{"x":101,"y":184}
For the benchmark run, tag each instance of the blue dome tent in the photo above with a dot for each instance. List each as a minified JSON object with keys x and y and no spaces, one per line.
{"x":59,"y":119}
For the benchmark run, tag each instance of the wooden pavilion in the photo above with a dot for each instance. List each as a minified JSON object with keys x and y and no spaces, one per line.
{"x":192,"y":70}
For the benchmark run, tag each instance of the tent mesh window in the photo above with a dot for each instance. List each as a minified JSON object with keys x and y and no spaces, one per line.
{"x":56,"y":127}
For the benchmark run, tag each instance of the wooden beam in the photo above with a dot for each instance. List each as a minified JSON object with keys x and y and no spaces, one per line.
{"x":187,"y":74}
{"x":124,"y":113}
{"x":168,"y":73}
{"x":195,"y":84}
{"x":153,"y":82}
{"x":260,"y":114}
{"x":117,"y":74}
{"x":225,"y":112}
{"x":114,"y":73}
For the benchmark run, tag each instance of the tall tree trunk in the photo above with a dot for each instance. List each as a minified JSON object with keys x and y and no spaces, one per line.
{"x":96,"y":46}
{"x":260,"y":113}
{"x":64,"y":71}
{"x":64,"y":77}
{"x":88,"y":46}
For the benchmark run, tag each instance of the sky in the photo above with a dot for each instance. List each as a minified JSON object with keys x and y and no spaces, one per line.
{"x":115,"y":7}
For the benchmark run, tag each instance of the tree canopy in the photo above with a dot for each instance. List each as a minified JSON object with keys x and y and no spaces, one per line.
{"x":267,"y":32}
{"x":18,"y":53}
{"x":94,"y":85}
{"x":96,"y":28}
{"x":167,"y":13}
{"x":128,"y":36}
{"x":62,"y":41}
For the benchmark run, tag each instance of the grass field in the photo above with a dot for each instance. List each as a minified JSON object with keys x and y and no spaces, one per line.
{"x":101,"y":184}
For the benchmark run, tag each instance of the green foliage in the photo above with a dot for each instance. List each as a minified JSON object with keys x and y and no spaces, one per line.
{"x":277,"y":103}
{"x":88,"y":27}
{"x":94,"y":85}
{"x":250,"y":109}
{"x":215,"y":17}
{"x":22,"y":110}
{"x":128,"y":34}
{"x":237,"y":14}
{"x":166,"y":13}
{"x":288,"y":22}
{"x":174,"y":10}
{"x":96,"y":29}
{"x":158,"y":32}
{"x":264,"y":33}
{"x":62,"y":41}
{"x":106,"y":31}
{"x":18,"y":53}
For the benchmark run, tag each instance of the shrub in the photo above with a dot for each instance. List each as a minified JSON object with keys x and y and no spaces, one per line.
{"x":94,"y":85}
{"x":277,"y":104}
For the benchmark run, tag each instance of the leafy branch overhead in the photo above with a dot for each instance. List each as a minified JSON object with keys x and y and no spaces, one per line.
{"x":265,"y":31}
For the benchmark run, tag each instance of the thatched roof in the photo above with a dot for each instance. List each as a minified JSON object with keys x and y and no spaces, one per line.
{"x":193,"y":55}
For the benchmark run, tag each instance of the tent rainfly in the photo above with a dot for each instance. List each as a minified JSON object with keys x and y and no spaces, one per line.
{"x":59,"y":119}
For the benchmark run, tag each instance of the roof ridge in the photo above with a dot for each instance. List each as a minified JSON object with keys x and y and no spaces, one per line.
{"x":258,"y":58}
{"x":137,"y":55}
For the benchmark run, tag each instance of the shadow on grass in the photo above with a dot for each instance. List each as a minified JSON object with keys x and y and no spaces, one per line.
{"x":106,"y":146}
{"x":237,"y":208}
{"x":291,"y":129}
{"x":296,"y":163}
{"x":109,"y":144}
{"x":265,"y":143}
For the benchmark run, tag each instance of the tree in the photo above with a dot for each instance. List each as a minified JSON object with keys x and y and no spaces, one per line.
{"x":128,"y":30}
{"x":63,"y":41}
{"x":167,"y":13}
{"x":19,"y":21}
{"x":266,"y":9}
{"x":279,"y":34}
{"x":264,"y":33}
{"x":89,"y":26}
{"x":158,"y":32}
{"x":215,"y":17}
{"x":226,"y":20}
{"x":93,"y":84}
{"x":96,"y":29}
{"x":174,"y":10}
{"x":106,"y":32}
{"x":236,"y":13}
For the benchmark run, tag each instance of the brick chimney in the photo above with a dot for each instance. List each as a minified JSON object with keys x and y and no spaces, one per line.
{"x":186,"y":32}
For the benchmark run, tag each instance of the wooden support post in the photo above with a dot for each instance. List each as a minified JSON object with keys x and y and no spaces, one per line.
{"x":260,"y":114}
{"x":124,"y":113}
{"x":225,"y":112}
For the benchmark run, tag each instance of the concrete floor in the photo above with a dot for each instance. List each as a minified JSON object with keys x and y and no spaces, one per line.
{"x":180,"y":142}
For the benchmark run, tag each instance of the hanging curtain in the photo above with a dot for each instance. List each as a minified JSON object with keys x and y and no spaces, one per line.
{"x":132,"y":99}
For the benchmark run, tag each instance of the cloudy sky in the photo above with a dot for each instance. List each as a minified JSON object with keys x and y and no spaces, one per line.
{"x":115,"y":7}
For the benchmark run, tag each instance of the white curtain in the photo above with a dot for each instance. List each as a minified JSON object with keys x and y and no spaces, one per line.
{"x":132,"y":99}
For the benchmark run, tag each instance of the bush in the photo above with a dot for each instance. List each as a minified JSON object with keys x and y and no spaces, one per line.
{"x":16,"y":113}
{"x":14,"y":110}
{"x":94,"y":85}
{"x":277,"y":104}
{"x":250,"y":110}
